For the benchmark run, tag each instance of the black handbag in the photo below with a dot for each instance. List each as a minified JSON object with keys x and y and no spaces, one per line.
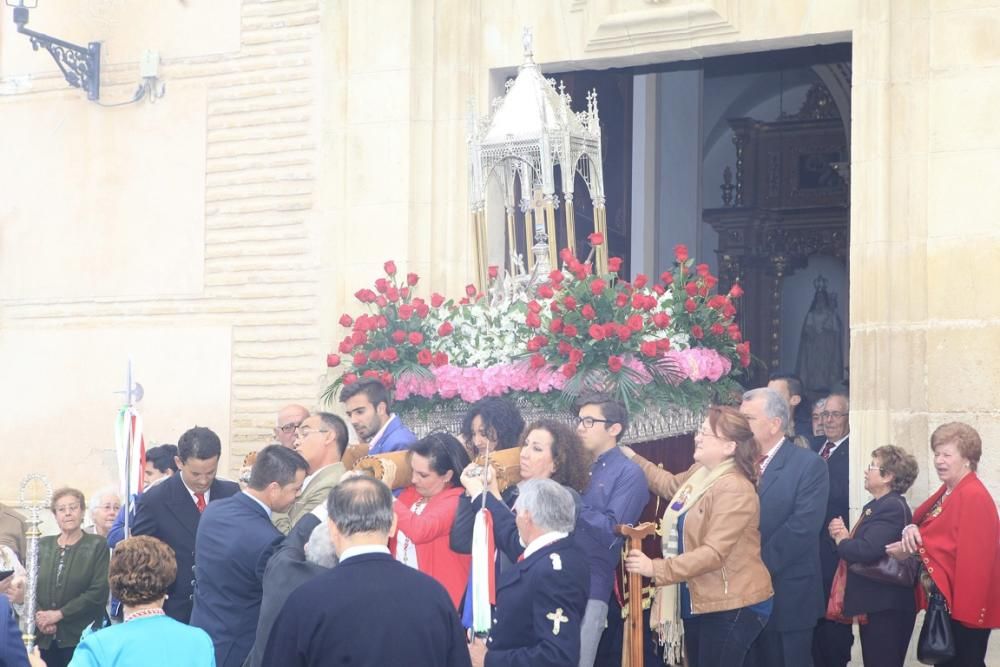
{"x":936,"y":643}
{"x":888,"y":570}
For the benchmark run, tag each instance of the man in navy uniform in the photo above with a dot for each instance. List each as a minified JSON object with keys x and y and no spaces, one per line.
{"x":370,"y":610}
{"x":540,"y":601}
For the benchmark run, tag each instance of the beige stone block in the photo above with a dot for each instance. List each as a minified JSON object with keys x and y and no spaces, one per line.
{"x":963,"y":108}
{"x":962,"y":371}
{"x":965,"y":38}
{"x":909,"y":118}
{"x":988,"y":425}
{"x":381,"y":233}
{"x":379,"y":97}
{"x":380,"y":35}
{"x":962,"y":279}
{"x":378,"y":163}
{"x":906,"y":381}
{"x":953,"y":5}
{"x":958,"y":197}
{"x":910,"y":431}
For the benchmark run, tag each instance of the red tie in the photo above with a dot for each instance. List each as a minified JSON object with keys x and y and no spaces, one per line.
{"x":521,"y":557}
{"x":826,"y":451}
{"x":200,"y":501}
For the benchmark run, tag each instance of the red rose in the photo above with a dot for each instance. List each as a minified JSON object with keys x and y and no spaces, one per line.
{"x":361,"y":295}
{"x":661,"y":320}
{"x":563,"y":347}
{"x":537,"y":343}
{"x":681,"y":252}
{"x":575,"y":356}
{"x":392,"y":294}
{"x":648,"y":348}
{"x":666,"y":277}
{"x":381,"y":285}
{"x":350,"y":378}
{"x":359,"y":338}
{"x":569,"y":370}
{"x":437,"y":300}
{"x":728,"y":310}
{"x":711,"y":281}
{"x":554,"y":307}
{"x":640,"y":281}
{"x":690,"y":306}
{"x":659,"y":290}
{"x":717,"y":329}
{"x":404,"y":292}
{"x":734,"y":332}
{"x":386,"y":379}
{"x":735,"y":291}
{"x":566,"y":255}
{"x":588,"y":312}
{"x":332,"y":360}
{"x":493,"y":271}
{"x":610,"y":329}
{"x":381,"y":302}
{"x":663,"y":345}
{"x":595,"y":238}
{"x":370,"y":373}
{"x":570,"y":303}
{"x":624,"y":333}
{"x":615,"y":264}
{"x":537,"y":361}
{"x":533,"y":320}
{"x":651,"y":301}
{"x":534,"y":307}
{"x":390,"y":354}
{"x":546,"y":291}
{"x":345,"y":320}
{"x":470,"y":290}
{"x":556,"y":276}
{"x":743,"y":349}
{"x":634,"y":322}
{"x":345,"y":346}
{"x":445,"y":329}
{"x":422,"y":308}
{"x":621,"y":300}
{"x":691,"y":288}
{"x":569,"y":331}
{"x":415,"y":338}
{"x":412,"y":279}
{"x":597,"y":286}
{"x":717,"y":302}
{"x":702,"y":270}
{"x":440,"y":358}
{"x":405,"y":311}
{"x":638,"y":300}
{"x":390,"y":268}
{"x":382,"y":322}
{"x":360,"y":359}
{"x":596,"y":332}
{"x":614,"y":363}
{"x":697,"y":332}
{"x":424,"y":357}
{"x":556,"y":325}
{"x":376,"y":355}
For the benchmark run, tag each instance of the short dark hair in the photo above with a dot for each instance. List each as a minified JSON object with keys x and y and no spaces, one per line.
{"x":162,"y":457}
{"x":445,"y":453}
{"x":339,"y":428}
{"x":275,"y":464}
{"x":199,"y":443}
{"x":792,"y":381}
{"x":370,"y":387}
{"x":611,"y":409}
{"x":900,"y":464}
{"x":360,"y":505}
{"x":141,"y":570}
{"x":499,"y":415}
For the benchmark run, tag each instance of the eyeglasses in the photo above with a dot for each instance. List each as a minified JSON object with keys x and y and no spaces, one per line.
{"x":875,"y":466}
{"x":67,"y":508}
{"x":834,"y":415}
{"x":306,"y":432}
{"x":588,"y":422}
{"x":289,"y":427}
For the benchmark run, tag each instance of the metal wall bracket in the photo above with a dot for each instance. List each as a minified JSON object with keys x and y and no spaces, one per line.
{"x":80,"y":65}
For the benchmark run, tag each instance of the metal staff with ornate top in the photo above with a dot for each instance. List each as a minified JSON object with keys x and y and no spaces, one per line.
{"x":35,"y":495}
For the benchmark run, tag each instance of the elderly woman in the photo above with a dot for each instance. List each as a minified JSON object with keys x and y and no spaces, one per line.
{"x":551,"y":450}
{"x":956,"y":535}
{"x":142,"y":569}
{"x":890,"y":608}
{"x":713,"y":577}
{"x":425,"y":512}
{"x":104,"y":506}
{"x":72,"y":580}
{"x":493,"y":422}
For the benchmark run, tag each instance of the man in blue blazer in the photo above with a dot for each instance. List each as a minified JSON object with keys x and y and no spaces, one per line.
{"x":235,"y":540}
{"x":793,"y":489}
{"x":367,"y":405}
{"x":170,"y":511}
{"x":12,"y":651}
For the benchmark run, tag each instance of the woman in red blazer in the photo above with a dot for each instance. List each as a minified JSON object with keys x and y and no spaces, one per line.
{"x":956,"y":535}
{"x":425,"y":512}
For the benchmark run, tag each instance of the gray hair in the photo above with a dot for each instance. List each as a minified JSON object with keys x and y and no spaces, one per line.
{"x":360,"y":505}
{"x":550,"y":504}
{"x":97,"y":497}
{"x":774,"y":405}
{"x":319,"y":548}
{"x":818,"y":405}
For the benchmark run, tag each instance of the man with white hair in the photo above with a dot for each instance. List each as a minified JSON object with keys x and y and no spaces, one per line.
{"x":793,"y":487}
{"x":540,"y":601}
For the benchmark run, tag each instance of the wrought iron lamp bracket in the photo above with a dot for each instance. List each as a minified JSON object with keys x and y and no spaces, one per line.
{"x":80,"y":65}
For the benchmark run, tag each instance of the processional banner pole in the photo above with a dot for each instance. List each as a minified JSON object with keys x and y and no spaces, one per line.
{"x":131,"y":444}
{"x":35,"y":496}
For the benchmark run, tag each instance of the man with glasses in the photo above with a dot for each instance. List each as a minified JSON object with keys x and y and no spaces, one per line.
{"x":289,"y":419}
{"x":321,"y":440}
{"x":832,"y":641}
{"x":616,"y":495}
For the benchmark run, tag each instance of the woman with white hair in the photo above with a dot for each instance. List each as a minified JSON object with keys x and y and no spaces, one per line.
{"x":103,"y":508}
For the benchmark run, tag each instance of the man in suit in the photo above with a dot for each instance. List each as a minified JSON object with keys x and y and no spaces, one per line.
{"x":235,"y":540}
{"x":370,"y":610}
{"x":290,"y":418}
{"x":170,"y":511}
{"x":542,"y":599}
{"x":793,"y":489}
{"x":367,"y":404}
{"x":832,"y":641}
{"x":305,"y":554}
{"x":321,"y":440}
{"x":800,"y":423}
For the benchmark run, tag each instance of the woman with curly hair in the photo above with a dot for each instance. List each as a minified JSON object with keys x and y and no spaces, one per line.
{"x":550,"y":450}
{"x":493,"y":422}
{"x":142,"y":568}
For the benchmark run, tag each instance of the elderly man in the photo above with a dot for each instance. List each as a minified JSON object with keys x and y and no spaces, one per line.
{"x":542,"y":599}
{"x":793,"y":489}
{"x":370,"y":609}
{"x":832,"y":641}
{"x":367,"y":404}
{"x":290,"y":418}
{"x":321,"y":440}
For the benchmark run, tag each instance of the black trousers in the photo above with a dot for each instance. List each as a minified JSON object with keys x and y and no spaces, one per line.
{"x":886,"y":636}
{"x":780,"y":649}
{"x":721,"y":638}
{"x":831,"y":644}
{"x":970,"y":645}
{"x":57,"y":656}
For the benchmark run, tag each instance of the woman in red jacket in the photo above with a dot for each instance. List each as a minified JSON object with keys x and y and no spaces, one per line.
{"x":425,"y":512}
{"x":956,"y":536}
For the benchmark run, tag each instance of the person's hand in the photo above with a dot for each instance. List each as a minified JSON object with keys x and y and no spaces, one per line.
{"x":838,"y":531}
{"x":627,"y":451}
{"x":48,"y":619}
{"x":35,"y":658}
{"x":912,"y":541}
{"x":472,"y":480}
{"x":636,"y":561}
{"x":897,"y":551}
{"x":16,"y":591}
{"x":477,"y":652}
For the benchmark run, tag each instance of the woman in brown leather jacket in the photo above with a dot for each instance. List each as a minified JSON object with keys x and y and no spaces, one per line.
{"x":712,"y":578}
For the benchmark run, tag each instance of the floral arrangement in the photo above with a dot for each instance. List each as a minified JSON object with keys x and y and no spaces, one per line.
{"x":672,"y":340}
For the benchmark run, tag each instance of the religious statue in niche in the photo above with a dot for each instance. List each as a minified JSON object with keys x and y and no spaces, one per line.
{"x":820,"y":362}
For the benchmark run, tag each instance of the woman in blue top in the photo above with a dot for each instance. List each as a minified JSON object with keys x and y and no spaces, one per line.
{"x":141,"y":570}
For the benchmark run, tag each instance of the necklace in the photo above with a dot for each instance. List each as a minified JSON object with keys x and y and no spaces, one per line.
{"x":417,"y":508}
{"x":142,"y":613}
